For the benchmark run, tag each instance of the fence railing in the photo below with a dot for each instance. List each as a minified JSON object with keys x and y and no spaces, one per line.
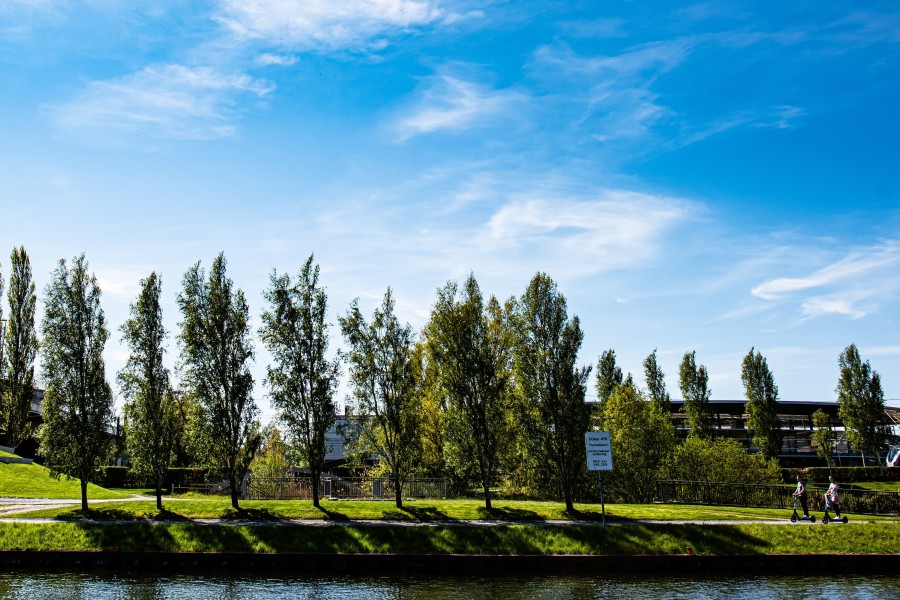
{"x":346,"y":488}
{"x":772,"y":496}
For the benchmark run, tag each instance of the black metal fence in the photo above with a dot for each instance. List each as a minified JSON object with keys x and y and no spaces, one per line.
{"x":772,"y":496}
{"x":343,"y":488}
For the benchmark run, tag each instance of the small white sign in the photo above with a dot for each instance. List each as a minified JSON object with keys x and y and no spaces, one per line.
{"x":599,"y":451}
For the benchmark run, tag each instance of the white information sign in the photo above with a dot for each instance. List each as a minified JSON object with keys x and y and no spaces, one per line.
{"x":599,"y":451}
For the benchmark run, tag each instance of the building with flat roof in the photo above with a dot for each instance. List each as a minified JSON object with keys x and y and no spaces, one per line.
{"x":730,"y":419}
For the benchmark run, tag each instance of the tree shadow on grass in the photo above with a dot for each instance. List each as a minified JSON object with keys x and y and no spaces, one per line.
{"x":505,"y":513}
{"x":332,"y":515}
{"x":249,"y":514}
{"x":167,"y":515}
{"x":94,"y":514}
{"x":416,"y":513}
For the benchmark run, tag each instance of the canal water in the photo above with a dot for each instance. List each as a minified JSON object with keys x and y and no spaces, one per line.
{"x":103,"y":586}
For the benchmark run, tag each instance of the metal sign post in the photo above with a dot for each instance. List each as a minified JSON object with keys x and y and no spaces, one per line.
{"x":599,"y":458}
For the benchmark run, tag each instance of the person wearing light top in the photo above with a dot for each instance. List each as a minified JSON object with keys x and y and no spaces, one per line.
{"x":831,"y":497}
{"x":801,"y":495}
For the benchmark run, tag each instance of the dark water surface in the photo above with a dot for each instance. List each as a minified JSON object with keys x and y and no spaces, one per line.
{"x":103,"y":586}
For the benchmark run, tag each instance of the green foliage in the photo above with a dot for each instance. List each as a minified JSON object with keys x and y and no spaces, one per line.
{"x":762,"y":404}
{"x":302,"y":380}
{"x":189,"y":445}
{"x":823,"y":438}
{"x":78,"y":402}
{"x":723,"y":460}
{"x":144,"y":381}
{"x":469,"y":353}
{"x":609,"y":377}
{"x":694,"y":383}
{"x":216,"y":351}
{"x":551,"y":388}
{"x":642,"y":438}
{"x":18,"y":350}
{"x":385,"y":377}
{"x":274,"y":456}
{"x":272,"y":462}
{"x":656,"y":383}
{"x":861,"y":403}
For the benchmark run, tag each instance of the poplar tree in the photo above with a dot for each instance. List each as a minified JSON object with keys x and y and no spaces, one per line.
{"x":144,"y":381}
{"x":762,"y":404}
{"x":609,"y":377}
{"x":21,"y":346}
{"x":694,"y":383}
{"x":3,"y":409}
{"x":78,"y":402}
{"x":551,"y":386}
{"x":470,"y":358}
{"x":861,"y":403}
{"x":216,"y":352}
{"x":384,"y":378}
{"x":303,"y":380}
{"x":656,"y":383}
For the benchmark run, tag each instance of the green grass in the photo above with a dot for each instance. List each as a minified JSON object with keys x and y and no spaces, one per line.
{"x":34,"y":481}
{"x":512,"y":539}
{"x":415,"y":511}
{"x":876,"y":486}
{"x":2,"y":453}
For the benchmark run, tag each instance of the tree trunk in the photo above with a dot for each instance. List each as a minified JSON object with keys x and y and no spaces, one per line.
{"x":158,"y":496}
{"x":84,"y":504}
{"x":235,"y":494}
{"x":398,"y":496}
{"x":315,"y":488}
{"x":487,"y":495}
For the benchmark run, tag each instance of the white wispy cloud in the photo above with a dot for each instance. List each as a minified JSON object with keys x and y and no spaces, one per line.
{"x":858,"y":264}
{"x":157,"y":103}
{"x":816,"y":307}
{"x":324,"y":24}
{"x":615,"y":92}
{"x":617,"y":229}
{"x":266,"y":59}
{"x":452,"y":103}
{"x":851,"y":286}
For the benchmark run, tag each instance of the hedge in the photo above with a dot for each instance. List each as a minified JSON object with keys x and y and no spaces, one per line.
{"x":819,"y":475}
{"x":122,"y":477}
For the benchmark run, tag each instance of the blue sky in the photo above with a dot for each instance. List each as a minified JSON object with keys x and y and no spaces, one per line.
{"x":708,"y":177}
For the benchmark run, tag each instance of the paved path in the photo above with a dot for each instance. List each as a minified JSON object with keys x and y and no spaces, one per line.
{"x":11,"y":506}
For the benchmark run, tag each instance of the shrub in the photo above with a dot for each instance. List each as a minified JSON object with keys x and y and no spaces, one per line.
{"x":819,"y":475}
{"x":725,"y":460}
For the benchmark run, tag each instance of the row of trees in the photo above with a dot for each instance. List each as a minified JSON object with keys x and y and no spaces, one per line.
{"x":490,"y":392}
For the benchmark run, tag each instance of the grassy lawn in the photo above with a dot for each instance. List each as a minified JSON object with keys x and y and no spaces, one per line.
{"x":420,"y":510}
{"x":876,"y":486}
{"x":34,"y":481}
{"x":507,"y":539}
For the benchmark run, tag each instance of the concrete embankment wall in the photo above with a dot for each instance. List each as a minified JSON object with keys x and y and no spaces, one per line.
{"x":885,"y":564}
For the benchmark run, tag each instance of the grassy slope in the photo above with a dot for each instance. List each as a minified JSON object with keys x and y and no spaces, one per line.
{"x":512,"y":539}
{"x":34,"y":481}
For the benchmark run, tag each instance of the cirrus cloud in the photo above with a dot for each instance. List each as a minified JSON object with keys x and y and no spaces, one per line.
{"x":157,"y":103}
{"x":324,"y":24}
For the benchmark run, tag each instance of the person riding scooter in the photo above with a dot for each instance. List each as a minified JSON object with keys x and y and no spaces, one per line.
{"x":800,"y":494}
